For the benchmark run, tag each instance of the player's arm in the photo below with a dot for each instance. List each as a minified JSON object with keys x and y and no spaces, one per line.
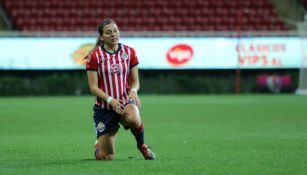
{"x":134,"y":84}
{"x":95,"y":90}
{"x":93,"y":84}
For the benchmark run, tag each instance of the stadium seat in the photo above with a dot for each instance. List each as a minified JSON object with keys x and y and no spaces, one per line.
{"x":139,"y":15}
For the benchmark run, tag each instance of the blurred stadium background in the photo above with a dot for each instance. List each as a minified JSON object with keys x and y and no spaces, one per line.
{"x":185,"y":47}
{"x":204,"y":46}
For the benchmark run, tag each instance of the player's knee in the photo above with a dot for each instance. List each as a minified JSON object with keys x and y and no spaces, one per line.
{"x":127,"y":117}
{"x":131,"y":119}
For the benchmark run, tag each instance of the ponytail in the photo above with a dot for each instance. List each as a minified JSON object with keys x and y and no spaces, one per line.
{"x":99,"y":42}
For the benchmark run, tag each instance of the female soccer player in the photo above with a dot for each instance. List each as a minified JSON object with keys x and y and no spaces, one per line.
{"x":113,"y":78}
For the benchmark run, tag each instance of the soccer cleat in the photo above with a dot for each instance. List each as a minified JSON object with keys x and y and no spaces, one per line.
{"x":96,"y":153}
{"x":147,"y":153}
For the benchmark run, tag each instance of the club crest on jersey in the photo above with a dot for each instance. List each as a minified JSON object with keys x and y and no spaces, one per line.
{"x":124,"y":56}
{"x":100,"y":127}
{"x":115,"y":68}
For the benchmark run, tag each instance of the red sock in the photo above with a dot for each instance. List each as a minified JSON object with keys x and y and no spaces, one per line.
{"x":139,"y":134}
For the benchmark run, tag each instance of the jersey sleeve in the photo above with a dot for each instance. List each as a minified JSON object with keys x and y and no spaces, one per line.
{"x":91,"y":63}
{"x":134,"y":59}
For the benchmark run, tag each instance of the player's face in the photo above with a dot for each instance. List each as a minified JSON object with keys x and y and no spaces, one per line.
{"x":110,"y":34}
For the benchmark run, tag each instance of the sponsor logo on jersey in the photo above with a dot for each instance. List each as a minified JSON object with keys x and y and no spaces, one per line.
{"x":115,"y":68}
{"x":179,"y":55}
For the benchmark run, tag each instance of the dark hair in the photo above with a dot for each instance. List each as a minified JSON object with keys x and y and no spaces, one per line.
{"x":100,"y":28}
{"x":103,"y":24}
{"x":99,"y":42}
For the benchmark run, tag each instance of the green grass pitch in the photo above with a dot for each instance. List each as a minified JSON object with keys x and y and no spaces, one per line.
{"x":201,"y":134}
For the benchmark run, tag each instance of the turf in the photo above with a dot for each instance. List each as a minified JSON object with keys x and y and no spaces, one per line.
{"x":203,"y":134}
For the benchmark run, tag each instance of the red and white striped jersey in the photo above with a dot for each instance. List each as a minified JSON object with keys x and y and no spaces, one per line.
{"x":113,"y":71}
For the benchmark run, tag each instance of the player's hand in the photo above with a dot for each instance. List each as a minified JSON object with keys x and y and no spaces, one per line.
{"x":134,"y":96}
{"x":117,"y":106}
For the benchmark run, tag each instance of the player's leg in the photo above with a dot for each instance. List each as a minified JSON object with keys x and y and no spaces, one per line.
{"x":106,"y":124}
{"x":131,"y":118}
{"x":106,"y":146}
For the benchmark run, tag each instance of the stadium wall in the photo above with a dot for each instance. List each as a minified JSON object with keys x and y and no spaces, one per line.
{"x":202,"y":63}
{"x":74,"y":82}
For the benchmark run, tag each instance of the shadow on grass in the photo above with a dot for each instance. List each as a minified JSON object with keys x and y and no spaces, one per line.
{"x":82,"y":161}
{"x":41,"y":163}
